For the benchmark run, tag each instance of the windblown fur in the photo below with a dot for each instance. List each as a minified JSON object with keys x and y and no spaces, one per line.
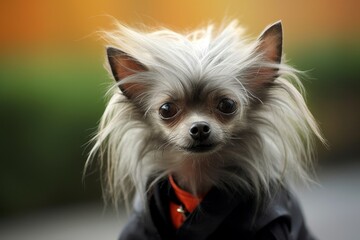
{"x":269,"y":144}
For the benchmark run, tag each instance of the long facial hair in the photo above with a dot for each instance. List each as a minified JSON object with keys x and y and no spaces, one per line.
{"x":267,"y":143}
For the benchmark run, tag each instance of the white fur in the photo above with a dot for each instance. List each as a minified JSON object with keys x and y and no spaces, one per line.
{"x":270,"y":145}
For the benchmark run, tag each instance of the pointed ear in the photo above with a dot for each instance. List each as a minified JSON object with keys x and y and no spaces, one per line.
{"x":123,"y":65}
{"x":270,"y":43}
{"x":270,"y":49}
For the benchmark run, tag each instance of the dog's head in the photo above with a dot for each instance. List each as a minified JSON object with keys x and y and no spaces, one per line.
{"x":210,"y":105}
{"x":197,"y":97}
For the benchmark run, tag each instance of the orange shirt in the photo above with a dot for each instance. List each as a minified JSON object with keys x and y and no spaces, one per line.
{"x":189,"y":203}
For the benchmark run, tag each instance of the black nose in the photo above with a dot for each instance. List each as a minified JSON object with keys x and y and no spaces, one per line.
{"x":200,"y":131}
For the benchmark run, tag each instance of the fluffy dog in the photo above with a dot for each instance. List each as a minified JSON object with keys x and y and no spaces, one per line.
{"x":208,"y":129}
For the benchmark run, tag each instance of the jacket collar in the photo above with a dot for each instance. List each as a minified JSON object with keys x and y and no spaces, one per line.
{"x":216,"y":206}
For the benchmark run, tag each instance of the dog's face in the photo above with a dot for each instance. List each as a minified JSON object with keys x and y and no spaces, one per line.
{"x":197,"y":113}
{"x":198,"y":124}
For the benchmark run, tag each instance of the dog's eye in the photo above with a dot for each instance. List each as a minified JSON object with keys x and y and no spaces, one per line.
{"x":227,"y":106}
{"x":168,"y":110}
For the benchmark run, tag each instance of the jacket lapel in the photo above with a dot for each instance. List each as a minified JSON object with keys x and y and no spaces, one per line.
{"x":213,"y":210}
{"x":202,"y":222}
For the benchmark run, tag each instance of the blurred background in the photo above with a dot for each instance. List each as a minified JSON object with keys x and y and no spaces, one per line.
{"x":52,"y":86}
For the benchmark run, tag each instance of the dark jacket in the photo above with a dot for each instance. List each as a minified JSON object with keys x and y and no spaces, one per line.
{"x":221,"y":215}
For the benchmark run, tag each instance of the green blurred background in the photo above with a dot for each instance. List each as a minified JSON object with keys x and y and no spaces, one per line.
{"x":52,"y":82}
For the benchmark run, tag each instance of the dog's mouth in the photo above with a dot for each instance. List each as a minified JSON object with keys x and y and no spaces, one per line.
{"x":200,"y":148}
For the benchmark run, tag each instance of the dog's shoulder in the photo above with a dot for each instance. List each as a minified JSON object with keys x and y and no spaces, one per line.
{"x":282,"y":219}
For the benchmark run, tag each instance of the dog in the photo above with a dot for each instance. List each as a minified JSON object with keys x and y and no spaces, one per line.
{"x":204,"y":134}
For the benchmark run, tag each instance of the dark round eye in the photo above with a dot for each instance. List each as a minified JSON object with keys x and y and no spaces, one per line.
{"x":168,"y":110}
{"x":227,"y":106}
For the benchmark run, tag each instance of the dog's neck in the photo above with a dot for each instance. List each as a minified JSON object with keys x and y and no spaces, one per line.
{"x":194,"y":176}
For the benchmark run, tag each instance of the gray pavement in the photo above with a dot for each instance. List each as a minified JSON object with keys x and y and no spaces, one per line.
{"x":333,"y":209}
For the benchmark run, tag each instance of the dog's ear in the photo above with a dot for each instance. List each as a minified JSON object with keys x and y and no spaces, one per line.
{"x":269,"y":49}
{"x":123,"y":65}
{"x":270,"y":42}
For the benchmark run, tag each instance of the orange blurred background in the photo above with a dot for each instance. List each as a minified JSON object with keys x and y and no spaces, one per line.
{"x":39,"y":22}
